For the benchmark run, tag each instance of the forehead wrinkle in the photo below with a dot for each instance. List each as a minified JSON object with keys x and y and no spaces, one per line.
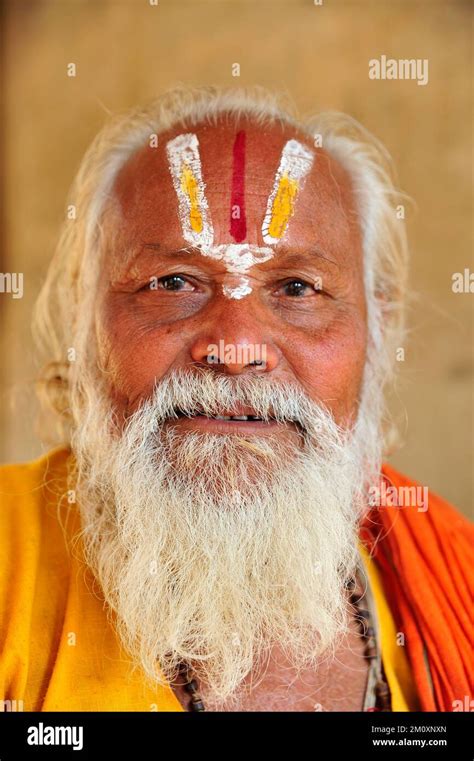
{"x":312,"y":194}
{"x":348,"y":210}
{"x":283,"y":255}
{"x":287,"y":257}
{"x":281,"y":258}
{"x":162,"y":254}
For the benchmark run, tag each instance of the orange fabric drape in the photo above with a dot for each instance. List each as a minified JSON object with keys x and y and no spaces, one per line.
{"x":426,"y":561}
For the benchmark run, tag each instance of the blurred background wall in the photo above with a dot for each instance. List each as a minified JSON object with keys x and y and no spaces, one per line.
{"x":127,"y":51}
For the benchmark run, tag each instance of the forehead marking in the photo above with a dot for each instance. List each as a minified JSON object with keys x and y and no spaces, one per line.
{"x":186,"y":172}
{"x":295,"y":163}
{"x":185,"y":167}
{"x":238,"y":259}
{"x":236,"y":287}
{"x":238,"y":222}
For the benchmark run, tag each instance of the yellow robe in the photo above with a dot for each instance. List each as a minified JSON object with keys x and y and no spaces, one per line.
{"x":58,"y":648}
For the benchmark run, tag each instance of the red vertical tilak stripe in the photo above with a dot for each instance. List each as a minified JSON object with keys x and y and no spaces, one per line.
{"x":238,"y":223}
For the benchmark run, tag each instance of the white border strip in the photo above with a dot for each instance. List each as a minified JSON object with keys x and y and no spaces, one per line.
{"x":296,"y":161}
{"x":184,"y":149}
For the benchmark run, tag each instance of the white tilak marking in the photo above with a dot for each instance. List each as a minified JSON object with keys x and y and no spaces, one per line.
{"x":238,"y":259}
{"x":296,"y":161}
{"x":237,"y":291}
{"x":184,"y":149}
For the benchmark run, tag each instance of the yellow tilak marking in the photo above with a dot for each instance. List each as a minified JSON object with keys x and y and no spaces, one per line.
{"x":283,"y":206}
{"x":189,"y":185}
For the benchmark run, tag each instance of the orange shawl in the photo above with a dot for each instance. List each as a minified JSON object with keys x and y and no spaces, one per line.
{"x":426,"y":561}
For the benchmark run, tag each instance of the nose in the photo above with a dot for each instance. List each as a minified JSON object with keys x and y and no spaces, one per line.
{"x":234,"y":341}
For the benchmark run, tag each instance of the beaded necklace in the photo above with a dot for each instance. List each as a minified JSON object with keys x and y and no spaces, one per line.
{"x":377,"y":695}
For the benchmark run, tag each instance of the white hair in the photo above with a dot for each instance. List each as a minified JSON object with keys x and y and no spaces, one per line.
{"x":64,"y":310}
{"x":213,"y":549}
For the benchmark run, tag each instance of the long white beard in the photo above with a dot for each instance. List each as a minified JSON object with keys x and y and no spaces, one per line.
{"x":213,"y":548}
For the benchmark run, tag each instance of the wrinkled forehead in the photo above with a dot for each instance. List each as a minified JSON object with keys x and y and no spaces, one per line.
{"x":236,"y":183}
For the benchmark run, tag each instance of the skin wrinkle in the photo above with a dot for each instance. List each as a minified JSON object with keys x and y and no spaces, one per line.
{"x":344,"y":211}
{"x":139,"y":276}
{"x":129,"y":333}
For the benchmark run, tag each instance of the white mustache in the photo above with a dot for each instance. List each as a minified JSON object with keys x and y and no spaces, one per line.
{"x":205,"y":392}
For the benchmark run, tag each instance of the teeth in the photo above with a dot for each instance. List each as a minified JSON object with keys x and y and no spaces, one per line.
{"x":236,"y":417}
{"x":242,"y":418}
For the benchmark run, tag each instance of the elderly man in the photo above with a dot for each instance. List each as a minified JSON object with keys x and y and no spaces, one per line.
{"x":220,"y":322}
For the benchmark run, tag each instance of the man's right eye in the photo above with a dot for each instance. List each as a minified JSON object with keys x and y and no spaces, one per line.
{"x":169,"y":283}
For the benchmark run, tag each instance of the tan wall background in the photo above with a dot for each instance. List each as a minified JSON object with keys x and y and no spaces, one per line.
{"x":127,"y":51}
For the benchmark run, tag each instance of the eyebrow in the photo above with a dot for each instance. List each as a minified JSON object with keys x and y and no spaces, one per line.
{"x":284,"y":256}
{"x":165,"y":252}
{"x":289,"y":257}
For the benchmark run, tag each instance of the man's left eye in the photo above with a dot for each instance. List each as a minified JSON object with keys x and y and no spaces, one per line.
{"x":297,"y":288}
{"x":169,"y":283}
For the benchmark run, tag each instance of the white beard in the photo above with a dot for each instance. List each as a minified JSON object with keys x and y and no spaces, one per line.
{"x":212,"y":548}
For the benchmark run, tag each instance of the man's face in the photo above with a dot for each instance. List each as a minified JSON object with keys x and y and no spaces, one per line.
{"x":303,"y":308}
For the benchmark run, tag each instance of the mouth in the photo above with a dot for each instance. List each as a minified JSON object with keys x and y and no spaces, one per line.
{"x":234,"y":417}
{"x":241,"y":420}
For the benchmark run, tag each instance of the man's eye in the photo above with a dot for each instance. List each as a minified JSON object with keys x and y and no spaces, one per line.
{"x":170,"y":283}
{"x":297,"y":288}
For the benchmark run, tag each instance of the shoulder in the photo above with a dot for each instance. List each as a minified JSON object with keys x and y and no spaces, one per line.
{"x":412,"y":531}
{"x":423,"y":546}
{"x":30,"y":494}
{"x":34,"y":565}
{"x":28,"y":483}
{"x":421,"y":506}
{"x":415,"y":533}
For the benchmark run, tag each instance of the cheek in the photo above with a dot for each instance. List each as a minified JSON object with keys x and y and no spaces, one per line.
{"x":131,"y":355}
{"x":330,"y":366}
